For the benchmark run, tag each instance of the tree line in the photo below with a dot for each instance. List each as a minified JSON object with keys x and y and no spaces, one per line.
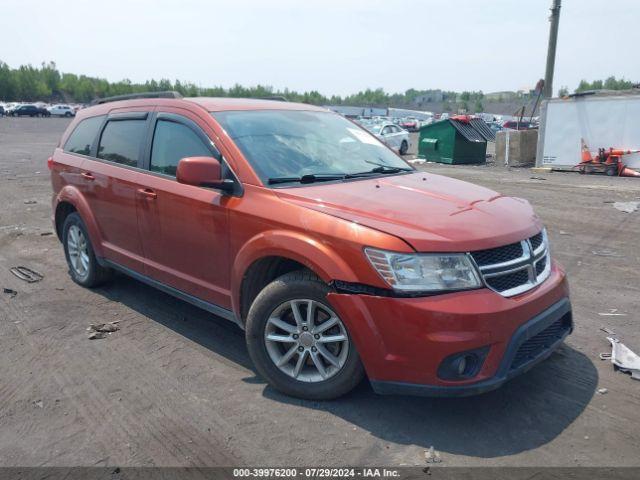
{"x":46,"y":83}
{"x":610,"y":83}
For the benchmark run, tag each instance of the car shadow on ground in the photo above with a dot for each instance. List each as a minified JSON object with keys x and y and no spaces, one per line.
{"x":527,"y":412}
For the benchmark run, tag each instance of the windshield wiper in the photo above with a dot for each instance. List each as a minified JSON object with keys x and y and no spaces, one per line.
{"x":380,"y":169}
{"x":309,"y":178}
{"x":384,"y":168}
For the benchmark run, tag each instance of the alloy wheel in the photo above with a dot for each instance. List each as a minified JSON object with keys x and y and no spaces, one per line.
{"x":306,"y":340}
{"x":78,"y":249}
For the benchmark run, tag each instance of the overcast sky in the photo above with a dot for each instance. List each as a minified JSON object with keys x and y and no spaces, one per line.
{"x":333,"y":46}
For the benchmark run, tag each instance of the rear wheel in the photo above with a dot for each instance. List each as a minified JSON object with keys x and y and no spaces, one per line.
{"x":404,"y":146}
{"x":83,"y":265}
{"x":67,"y":114}
{"x":297,"y":341}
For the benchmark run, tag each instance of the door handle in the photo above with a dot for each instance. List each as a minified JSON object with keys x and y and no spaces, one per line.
{"x":88,"y":176}
{"x":148,"y":193}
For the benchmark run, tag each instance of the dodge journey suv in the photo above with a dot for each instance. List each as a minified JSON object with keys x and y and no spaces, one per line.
{"x":338,"y":259}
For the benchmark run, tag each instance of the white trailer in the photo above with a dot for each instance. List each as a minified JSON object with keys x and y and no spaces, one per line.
{"x":603,"y":120}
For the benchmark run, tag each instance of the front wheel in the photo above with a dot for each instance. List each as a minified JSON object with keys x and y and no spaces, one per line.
{"x":297,"y":341}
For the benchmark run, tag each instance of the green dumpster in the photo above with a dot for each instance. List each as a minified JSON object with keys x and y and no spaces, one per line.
{"x":456,"y":140}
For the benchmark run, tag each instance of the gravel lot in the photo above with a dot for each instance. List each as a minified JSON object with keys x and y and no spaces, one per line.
{"x":175,"y":386}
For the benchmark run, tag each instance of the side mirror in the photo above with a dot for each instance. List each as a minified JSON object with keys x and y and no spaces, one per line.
{"x":203,"y":172}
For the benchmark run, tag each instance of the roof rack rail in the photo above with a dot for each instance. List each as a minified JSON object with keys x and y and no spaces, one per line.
{"x":275,"y":98}
{"x":132,"y":96}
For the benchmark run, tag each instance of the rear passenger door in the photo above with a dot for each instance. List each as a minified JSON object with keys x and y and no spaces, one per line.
{"x":184,"y":228}
{"x":110,"y":185}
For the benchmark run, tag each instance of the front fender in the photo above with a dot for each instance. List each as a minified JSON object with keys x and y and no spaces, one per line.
{"x":72,"y":195}
{"x":319,"y":257}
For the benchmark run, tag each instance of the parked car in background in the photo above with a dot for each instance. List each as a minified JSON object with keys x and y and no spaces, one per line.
{"x":425,"y":121}
{"x":393,"y":136}
{"x":336,"y":257}
{"x":494,"y":126}
{"x":29,"y":110}
{"x":8,"y":107}
{"x":61,"y":111}
{"x":515,"y":125}
{"x":410,"y":124}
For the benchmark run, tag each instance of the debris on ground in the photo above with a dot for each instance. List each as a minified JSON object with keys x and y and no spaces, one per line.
{"x":97,"y":335}
{"x":30,"y":202}
{"x":432,"y":455}
{"x":26,"y":274}
{"x":537,"y":178}
{"x":10,"y":291}
{"x":613,"y":312}
{"x":38,"y":403}
{"x":562,"y":232}
{"x":602,"y":391}
{"x":46,"y":234}
{"x":623,"y":358}
{"x":626,"y":207}
{"x":417,"y":161}
{"x":607,"y":330}
{"x":101,"y":330}
{"x":104,"y":327}
{"x":606,"y":253}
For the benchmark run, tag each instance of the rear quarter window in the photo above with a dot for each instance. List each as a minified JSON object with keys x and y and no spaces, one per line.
{"x":83,"y":135}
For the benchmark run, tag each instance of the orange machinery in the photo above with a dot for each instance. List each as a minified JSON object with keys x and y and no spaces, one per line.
{"x":609,"y":162}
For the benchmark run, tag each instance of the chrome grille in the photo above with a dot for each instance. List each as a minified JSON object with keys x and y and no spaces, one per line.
{"x":497,"y":255}
{"x":515,"y":268}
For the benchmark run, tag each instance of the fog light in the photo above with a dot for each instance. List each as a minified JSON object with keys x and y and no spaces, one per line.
{"x":462,"y":365}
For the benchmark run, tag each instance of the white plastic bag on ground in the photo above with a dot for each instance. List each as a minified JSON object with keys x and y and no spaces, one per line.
{"x":624,"y":358}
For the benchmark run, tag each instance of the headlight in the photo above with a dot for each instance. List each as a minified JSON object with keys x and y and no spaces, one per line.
{"x":424,"y":272}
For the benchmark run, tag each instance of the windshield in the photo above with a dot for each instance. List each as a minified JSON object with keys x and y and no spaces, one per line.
{"x":294,"y":144}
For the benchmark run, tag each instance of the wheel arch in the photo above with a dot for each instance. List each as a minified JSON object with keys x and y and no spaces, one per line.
{"x":70,"y":200}
{"x":271,"y":254}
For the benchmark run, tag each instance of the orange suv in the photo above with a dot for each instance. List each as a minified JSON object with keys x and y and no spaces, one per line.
{"x":336,"y":257}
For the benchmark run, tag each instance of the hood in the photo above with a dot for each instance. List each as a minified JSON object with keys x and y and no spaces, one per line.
{"x":430,"y":212}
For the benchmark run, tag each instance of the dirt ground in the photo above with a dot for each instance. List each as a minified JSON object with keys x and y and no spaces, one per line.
{"x":175,"y":386}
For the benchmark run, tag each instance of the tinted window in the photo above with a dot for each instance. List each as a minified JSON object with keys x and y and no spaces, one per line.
{"x":120,"y":141}
{"x":82,"y":137}
{"x":171,"y":142}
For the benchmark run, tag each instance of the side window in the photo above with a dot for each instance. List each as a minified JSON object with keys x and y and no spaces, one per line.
{"x":171,"y":142}
{"x":121,"y":140}
{"x":386,"y":130}
{"x":83,"y":135}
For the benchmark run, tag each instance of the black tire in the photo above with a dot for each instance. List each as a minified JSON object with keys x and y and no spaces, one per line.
{"x":291,"y":286}
{"x":96,"y":274}
{"x":611,"y":171}
{"x":67,"y":114}
{"x":404,"y":146}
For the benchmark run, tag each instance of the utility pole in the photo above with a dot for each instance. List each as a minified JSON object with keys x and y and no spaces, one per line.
{"x":551,"y":50}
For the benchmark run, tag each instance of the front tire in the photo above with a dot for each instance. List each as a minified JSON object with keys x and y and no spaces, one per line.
{"x":298,"y":343}
{"x":83,"y":265}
